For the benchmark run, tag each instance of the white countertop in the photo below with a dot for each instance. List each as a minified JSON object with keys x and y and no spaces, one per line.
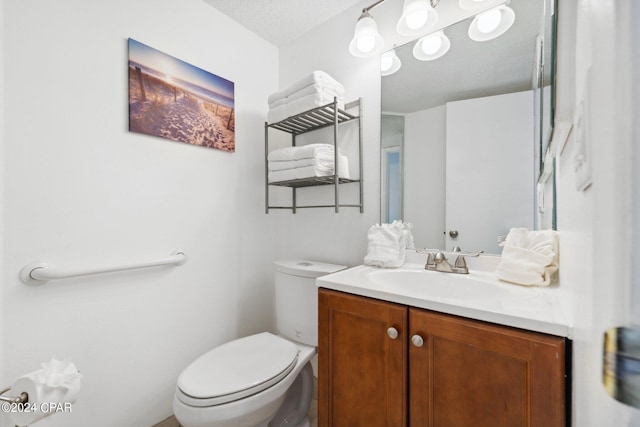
{"x":478,"y":295}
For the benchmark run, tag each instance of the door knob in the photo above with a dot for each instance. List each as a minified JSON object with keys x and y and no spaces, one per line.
{"x":393,"y":333}
{"x":453,"y":233}
{"x":417,"y":340}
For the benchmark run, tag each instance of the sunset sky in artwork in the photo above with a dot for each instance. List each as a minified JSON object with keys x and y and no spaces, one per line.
{"x":175,"y":68}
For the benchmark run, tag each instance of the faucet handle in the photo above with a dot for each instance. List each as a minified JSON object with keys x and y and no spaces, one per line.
{"x":440,"y":257}
{"x":460,"y":262}
{"x":430,"y":260}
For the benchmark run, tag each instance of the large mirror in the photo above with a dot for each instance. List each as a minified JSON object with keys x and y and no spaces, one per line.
{"x":463,"y":135}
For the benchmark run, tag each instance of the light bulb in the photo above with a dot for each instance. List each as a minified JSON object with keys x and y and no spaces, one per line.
{"x":366,"y":43}
{"x":417,"y":19}
{"x":431,"y":45}
{"x":489,"y":21}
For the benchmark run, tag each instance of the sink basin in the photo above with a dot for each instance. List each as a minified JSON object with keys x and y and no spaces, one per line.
{"x":443,"y":286}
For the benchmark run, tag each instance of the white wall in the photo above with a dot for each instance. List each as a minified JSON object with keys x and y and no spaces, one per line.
{"x":321,"y":234}
{"x":79,"y":188}
{"x":596,"y":261}
{"x":2,"y":204}
{"x":425,"y":156}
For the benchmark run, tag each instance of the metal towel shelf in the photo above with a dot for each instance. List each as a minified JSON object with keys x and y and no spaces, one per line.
{"x":41,"y":272}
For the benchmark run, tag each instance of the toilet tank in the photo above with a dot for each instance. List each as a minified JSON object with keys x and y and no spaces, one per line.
{"x":297,"y":298}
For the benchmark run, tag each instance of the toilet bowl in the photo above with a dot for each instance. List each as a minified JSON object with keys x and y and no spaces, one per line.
{"x":263,"y":379}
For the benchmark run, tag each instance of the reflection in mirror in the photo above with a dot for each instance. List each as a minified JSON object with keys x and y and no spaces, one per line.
{"x":475,"y":123}
{"x":392,"y":136}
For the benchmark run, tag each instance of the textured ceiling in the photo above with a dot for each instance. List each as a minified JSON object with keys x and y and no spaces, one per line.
{"x":281,"y":21}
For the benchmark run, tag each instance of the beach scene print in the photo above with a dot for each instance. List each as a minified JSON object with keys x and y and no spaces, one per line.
{"x":175,"y":100}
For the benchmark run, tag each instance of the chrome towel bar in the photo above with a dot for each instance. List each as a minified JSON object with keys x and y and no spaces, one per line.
{"x":41,"y":272}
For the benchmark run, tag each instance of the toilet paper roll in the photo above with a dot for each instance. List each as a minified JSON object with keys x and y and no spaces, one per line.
{"x":50,"y":390}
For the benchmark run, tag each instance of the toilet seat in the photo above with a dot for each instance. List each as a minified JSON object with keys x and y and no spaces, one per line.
{"x":236,"y":370}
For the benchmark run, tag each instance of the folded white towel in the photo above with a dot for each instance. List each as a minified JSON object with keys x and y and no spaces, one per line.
{"x":308,"y":151}
{"x":387,"y":244}
{"x":320,"y":161}
{"x":529,"y":257}
{"x":317,"y":169}
{"x":278,"y":103}
{"x":300,"y":105}
{"x":314,"y":89}
{"x":317,"y":77}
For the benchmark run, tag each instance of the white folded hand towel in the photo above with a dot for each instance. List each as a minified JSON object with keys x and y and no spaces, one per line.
{"x":303,"y":152}
{"x":281,"y":111}
{"x":326,"y":91}
{"x":317,"y":77}
{"x":529,"y":257}
{"x":322,"y":161}
{"x":387,"y":244}
{"x":315,"y":169}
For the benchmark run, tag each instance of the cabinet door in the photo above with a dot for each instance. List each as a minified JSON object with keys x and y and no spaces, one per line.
{"x":362,"y":380}
{"x":475,"y":374}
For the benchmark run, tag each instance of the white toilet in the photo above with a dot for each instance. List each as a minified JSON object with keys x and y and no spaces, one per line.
{"x":264,"y":379}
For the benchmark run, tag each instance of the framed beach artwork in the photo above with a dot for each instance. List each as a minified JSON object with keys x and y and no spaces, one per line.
{"x":175,"y":100}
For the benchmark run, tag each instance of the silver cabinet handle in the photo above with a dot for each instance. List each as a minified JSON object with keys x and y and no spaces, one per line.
{"x":393,"y":333}
{"x":417,"y":340}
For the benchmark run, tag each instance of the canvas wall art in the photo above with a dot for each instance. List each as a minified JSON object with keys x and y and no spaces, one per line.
{"x":175,"y":100}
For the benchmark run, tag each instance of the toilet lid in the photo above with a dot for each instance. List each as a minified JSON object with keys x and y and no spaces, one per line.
{"x":237,"y":369}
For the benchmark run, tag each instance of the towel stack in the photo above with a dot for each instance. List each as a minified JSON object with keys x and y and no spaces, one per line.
{"x":307,"y":161}
{"x":388,"y":243}
{"x":313,"y":91}
{"x":529,"y":257}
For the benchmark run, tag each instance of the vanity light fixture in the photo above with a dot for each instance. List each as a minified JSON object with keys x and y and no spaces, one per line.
{"x":432,"y":46}
{"x":492,"y":23}
{"x":389,"y":63}
{"x":417,"y":15}
{"x":420,"y":15}
{"x":366,"y":39}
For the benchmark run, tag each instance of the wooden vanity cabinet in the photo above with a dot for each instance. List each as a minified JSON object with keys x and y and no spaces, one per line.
{"x":457,"y":373}
{"x":362,"y":372}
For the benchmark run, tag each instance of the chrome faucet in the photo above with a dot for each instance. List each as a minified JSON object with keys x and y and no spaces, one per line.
{"x":437,"y":261}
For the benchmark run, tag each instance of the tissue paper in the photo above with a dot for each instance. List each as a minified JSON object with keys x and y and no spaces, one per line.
{"x":51,"y":389}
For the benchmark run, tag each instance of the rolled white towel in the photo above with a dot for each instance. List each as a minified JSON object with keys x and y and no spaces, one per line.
{"x":387,"y":244}
{"x":529,"y":258}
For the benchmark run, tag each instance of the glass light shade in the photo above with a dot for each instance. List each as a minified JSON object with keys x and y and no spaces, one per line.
{"x":389,"y":63}
{"x":431,"y":47}
{"x":366,"y":40}
{"x":492,"y":23}
{"x":417,"y":17}
{"x":489,"y":21}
